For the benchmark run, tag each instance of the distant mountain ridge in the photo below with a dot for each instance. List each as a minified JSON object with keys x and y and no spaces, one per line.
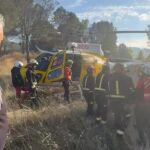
{"x":136,"y":51}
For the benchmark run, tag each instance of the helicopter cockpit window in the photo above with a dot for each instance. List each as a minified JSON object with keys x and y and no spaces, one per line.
{"x":57,"y":61}
{"x":43,"y":55}
{"x":43,"y":64}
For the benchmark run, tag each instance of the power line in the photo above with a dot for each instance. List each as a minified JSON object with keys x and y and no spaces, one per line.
{"x":132,"y":31}
{"x":102,"y":32}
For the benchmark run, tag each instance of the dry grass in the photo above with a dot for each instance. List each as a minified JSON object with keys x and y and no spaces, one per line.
{"x":42,"y":129}
{"x":56,"y":126}
{"x":7,"y":61}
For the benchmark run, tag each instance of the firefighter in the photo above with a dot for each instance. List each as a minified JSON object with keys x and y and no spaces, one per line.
{"x":142,"y":107}
{"x":131,"y":94}
{"x":101,"y":86}
{"x":88,"y":86}
{"x":31,"y":76}
{"x":17,"y":80}
{"x":120,"y":87}
{"x":67,"y":80}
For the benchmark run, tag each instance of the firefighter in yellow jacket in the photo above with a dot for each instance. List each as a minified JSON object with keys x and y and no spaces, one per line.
{"x":120,"y":87}
{"x":88,"y":86}
{"x":101,"y":86}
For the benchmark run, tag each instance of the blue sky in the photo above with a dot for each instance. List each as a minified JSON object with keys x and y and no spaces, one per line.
{"x":125,"y":15}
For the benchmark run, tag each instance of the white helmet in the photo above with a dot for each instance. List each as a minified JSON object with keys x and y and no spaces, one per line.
{"x":73,"y":44}
{"x":126,"y":67}
{"x":145,"y":69}
{"x":33,"y":62}
{"x":18,"y":64}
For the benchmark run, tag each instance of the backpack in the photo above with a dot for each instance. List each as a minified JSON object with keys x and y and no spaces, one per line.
{"x":17,"y":79}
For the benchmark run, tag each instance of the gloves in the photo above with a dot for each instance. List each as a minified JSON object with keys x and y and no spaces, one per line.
{"x":34,"y":84}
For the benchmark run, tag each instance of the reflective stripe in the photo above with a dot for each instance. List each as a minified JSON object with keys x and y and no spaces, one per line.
{"x":86,"y":89}
{"x":115,"y":96}
{"x":91,"y":103}
{"x":146,"y":94}
{"x":109,"y":86}
{"x":147,"y":84}
{"x":117,"y":91}
{"x":100,"y":84}
{"x":85,"y":84}
{"x":95,"y":80}
{"x":100,"y":89}
{"x":117,"y":88}
{"x":98,"y":118}
{"x":86,"y":81}
{"x":32,"y":97}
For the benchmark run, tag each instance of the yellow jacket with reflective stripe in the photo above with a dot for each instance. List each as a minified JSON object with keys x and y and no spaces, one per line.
{"x":88,"y":83}
{"x":119,"y":86}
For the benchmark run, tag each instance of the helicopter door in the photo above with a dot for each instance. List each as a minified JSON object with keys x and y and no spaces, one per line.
{"x":55,"y":71}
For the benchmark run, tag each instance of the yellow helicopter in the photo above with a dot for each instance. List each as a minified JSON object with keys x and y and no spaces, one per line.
{"x":51,"y":64}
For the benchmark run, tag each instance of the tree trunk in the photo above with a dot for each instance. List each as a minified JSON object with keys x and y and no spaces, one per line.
{"x":23,"y":43}
{"x":27,"y":47}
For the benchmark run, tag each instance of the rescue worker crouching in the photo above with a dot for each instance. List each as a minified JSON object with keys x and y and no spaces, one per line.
{"x":120,"y":86}
{"x":17,"y":80}
{"x":31,"y":76}
{"x":101,"y":86}
{"x":67,"y":80}
{"x":88,"y":86}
